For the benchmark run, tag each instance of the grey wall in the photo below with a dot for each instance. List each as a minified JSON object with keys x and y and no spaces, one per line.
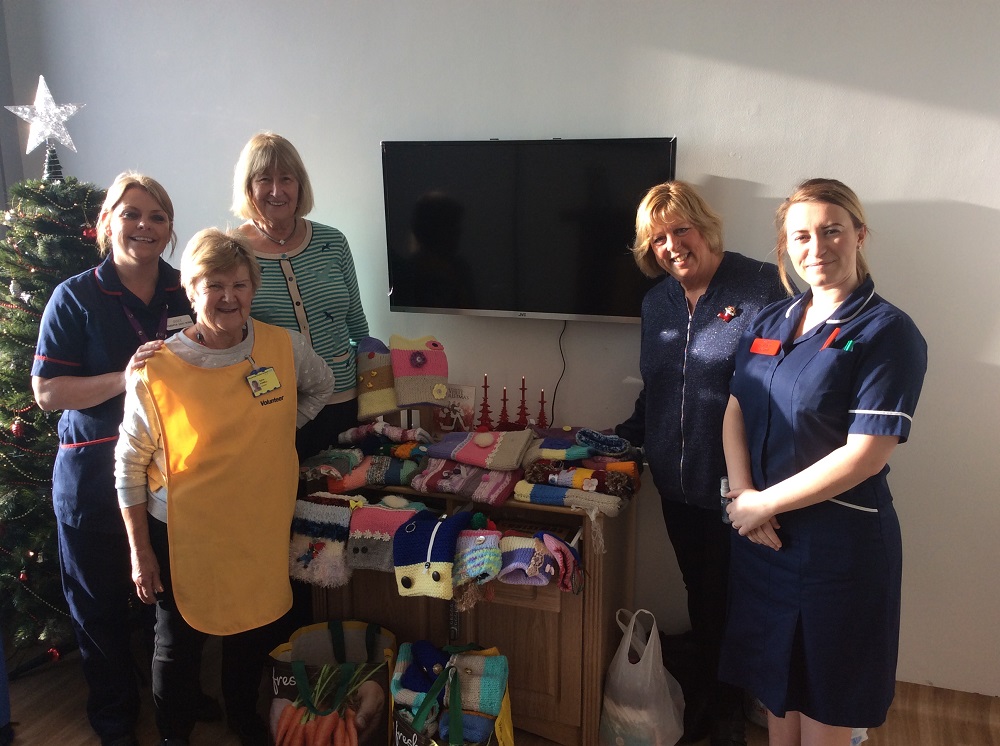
{"x":897,"y":98}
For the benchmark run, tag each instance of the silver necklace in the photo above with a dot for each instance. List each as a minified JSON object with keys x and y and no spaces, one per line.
{"x":200,"y":339}
{"x":279,"y":241}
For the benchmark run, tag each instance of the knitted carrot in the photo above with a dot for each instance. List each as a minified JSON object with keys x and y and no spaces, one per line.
{"x":284,"y":724}
{"x":309,"y":732}
{"x":297,"y":734}
{"x":340,"y":734}
{"x":324,"y":731}
{"x":352,"y":727}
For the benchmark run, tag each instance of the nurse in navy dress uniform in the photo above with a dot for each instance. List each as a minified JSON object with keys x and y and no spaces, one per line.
{"x":825,"y":387}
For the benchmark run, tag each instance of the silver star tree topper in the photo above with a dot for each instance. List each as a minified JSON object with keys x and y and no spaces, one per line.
{"x":47,"y":118}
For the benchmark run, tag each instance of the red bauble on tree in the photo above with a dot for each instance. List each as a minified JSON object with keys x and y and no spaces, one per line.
{"x":17,"y":428}
{"x":89,"y":233}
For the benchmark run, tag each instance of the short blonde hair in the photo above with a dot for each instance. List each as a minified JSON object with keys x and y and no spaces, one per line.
{"x":666,"y":203}
{"x":828,"y":191}
{"x":123,"y":182}
{"x":210,"y":250}
{"x":266,"y":151}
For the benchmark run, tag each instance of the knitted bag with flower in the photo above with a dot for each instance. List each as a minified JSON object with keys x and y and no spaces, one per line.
{"x":419,"y":370}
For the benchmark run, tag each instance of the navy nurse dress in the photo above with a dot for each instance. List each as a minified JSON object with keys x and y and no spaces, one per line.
{"x":814,"y":627}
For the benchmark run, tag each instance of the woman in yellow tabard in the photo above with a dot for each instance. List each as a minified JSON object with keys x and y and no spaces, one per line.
{"x":211,"y":421}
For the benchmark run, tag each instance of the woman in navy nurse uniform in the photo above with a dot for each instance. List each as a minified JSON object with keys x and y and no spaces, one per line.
{"x":96,"y":327}
{"x":825,"y":386}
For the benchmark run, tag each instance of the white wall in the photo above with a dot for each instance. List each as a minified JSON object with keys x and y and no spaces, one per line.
{"x":896,"y":98}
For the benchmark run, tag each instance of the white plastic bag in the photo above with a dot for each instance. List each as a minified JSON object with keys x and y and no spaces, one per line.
{"x":643,"y":703}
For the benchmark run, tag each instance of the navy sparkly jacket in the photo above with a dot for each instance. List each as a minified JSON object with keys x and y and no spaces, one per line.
{"x":686,"y":361}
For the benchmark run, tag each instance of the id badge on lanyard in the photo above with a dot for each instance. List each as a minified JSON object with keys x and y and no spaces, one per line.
{"x":262,"y":380}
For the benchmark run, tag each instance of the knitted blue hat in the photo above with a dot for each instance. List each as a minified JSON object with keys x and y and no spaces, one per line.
{"x":423,"y":553}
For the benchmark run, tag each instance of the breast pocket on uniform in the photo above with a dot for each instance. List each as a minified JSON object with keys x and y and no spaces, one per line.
{"x":825,"y":386}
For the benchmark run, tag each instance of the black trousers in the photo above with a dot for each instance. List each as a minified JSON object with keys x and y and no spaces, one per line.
{"x":177,"y":658}
{"x":701,"y":544}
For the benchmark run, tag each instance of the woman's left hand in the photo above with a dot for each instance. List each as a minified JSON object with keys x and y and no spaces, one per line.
{"x":143,"y":354}
{"x":752,"y":515}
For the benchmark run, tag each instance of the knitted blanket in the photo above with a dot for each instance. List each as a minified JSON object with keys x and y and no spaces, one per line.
{"x":547,"y":494}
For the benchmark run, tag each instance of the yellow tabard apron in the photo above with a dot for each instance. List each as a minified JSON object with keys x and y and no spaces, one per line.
{"x":231,"y":480}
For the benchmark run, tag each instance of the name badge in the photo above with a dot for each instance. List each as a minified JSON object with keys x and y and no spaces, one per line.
{"x":179,"y":322}
{"x":761,"y":346}
{"x":263,"y":381}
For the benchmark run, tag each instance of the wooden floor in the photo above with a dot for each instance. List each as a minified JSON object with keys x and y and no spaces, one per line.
{"x":48,"y":708}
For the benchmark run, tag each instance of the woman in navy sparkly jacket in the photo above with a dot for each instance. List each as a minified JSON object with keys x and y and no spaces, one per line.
{"x":692,"y":321}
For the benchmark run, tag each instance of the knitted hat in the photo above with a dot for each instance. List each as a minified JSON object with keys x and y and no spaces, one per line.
{"x":477,"y":552}
{"x":423,"y":552}
{"x":376,"y":393}
{"x":319,"y":536}
{"x":427,"y":661}
{"x":526,"y":561}
{"x":419,"y":369}
{"x":421,"y":677}
{"x":570,"y":576}
{"x":369,"y":545}
{"x":608,"y":444}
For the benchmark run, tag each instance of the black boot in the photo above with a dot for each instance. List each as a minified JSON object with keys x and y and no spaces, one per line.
{"x":729,"y":723}
{"x":682,"y":657}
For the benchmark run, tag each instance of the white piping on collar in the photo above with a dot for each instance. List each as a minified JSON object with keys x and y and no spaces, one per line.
{"x":835,"y":321}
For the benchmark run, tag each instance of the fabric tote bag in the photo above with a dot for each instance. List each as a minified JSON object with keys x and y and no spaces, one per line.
{"x":324,"y":677}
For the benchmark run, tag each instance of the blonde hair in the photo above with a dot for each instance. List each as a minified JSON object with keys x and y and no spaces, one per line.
{"x":828,"y":191}
{"x":666,"y":203}
{"x":266,"y":151}
{"x":122,"y":183}
{"x":210,"y":250}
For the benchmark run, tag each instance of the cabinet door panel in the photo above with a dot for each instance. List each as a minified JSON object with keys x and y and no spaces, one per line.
{"x":373,"y":597}
{"x":539,"y":629}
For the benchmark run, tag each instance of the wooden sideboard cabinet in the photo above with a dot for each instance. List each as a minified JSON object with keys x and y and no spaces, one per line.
{"x":558,"y":644}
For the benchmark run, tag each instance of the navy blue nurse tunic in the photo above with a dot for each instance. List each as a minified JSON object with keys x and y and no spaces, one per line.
{"x":86,"y":331}
{"x":814,"y":627}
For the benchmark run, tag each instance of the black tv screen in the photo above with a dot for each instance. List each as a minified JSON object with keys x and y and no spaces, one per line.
{"x":521,"y":228}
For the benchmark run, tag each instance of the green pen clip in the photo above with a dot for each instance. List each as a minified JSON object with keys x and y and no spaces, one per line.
{"x":848,"y":345}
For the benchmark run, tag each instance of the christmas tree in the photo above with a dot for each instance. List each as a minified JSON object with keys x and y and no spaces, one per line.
{"x":49,"y":236}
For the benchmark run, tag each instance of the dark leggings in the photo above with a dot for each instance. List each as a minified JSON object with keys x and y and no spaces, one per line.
{"x":177,"y":658}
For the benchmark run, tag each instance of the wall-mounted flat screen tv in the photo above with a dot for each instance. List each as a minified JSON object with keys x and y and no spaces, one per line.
{"x":520,"y":228}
